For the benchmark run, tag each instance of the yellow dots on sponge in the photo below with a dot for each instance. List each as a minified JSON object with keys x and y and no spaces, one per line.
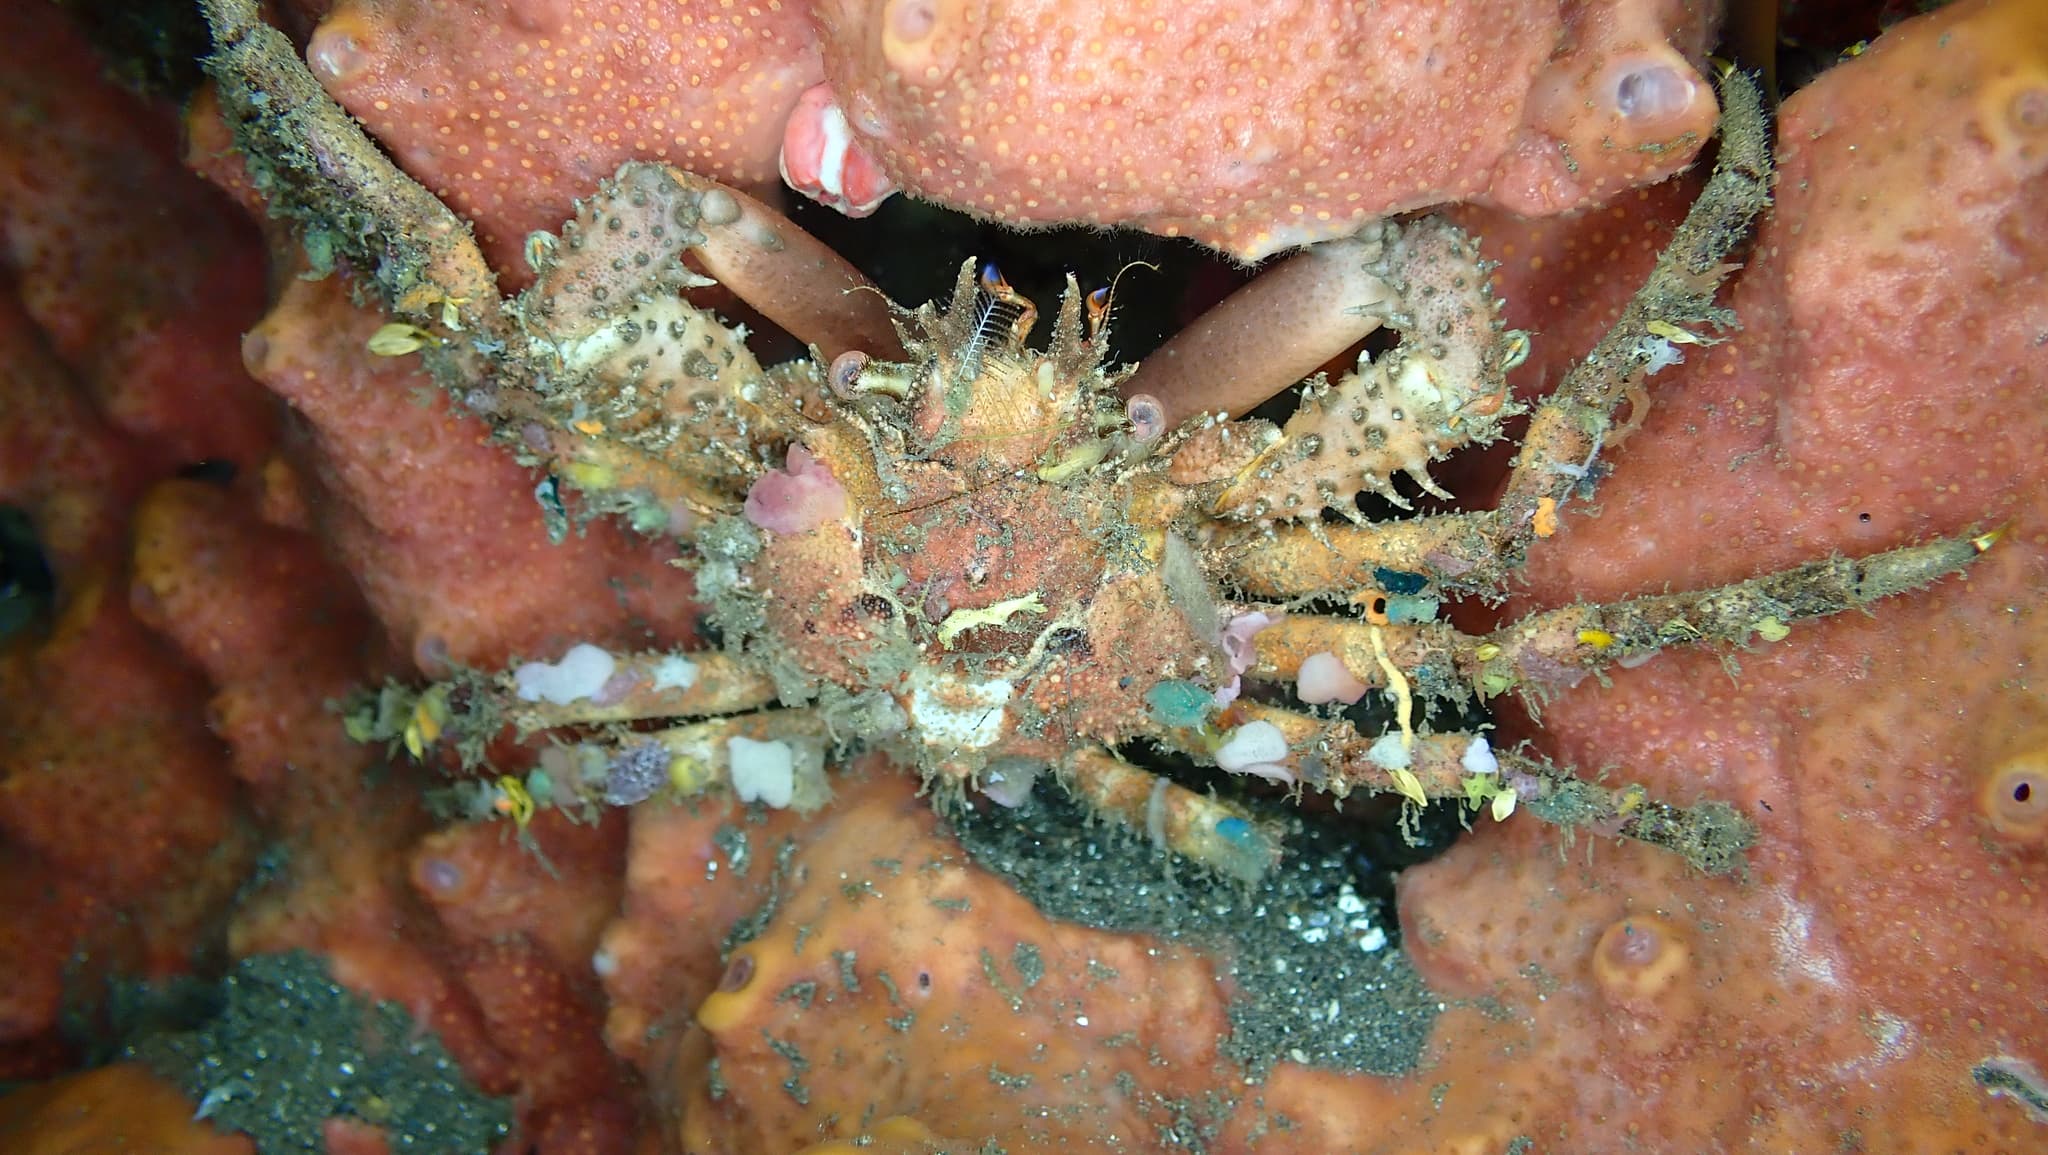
{"x":2014,"y":796}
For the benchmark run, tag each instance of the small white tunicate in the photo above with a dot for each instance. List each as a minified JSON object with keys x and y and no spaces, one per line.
{"x":1389,"y":753}
{"x":1478,"y":758}
{"x":675,"y":672}
{"x":1250,"y":745}
{"x":763,"y":772}
{"x":580,"y":674}
{"x":1661,"y":354}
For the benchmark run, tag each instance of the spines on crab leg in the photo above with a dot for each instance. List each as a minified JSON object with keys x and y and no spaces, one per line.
{"x":1201,"y":828}
{"x":601,"y":371}
{"x":1443,"y":387}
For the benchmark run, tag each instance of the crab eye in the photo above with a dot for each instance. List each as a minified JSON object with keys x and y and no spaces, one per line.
{"x":1098,"y":311}
{"x":1147,"y":416}
{"x":844,"y":375}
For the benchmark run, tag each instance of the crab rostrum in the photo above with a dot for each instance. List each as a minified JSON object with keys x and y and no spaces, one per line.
{"x":1007,"y":565}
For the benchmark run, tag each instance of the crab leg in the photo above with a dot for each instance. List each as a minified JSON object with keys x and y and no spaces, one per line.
{"x":1463,"y":767}
{"x":1557,"y":648}
{"x":1282,"y":562}
{"x":1475,"y":552}
{"x":1199,"y":827}
{"x":1567,"y":429}
{"x":600,"y":368}
{"x":777,"y":757}
{"x":639,"y":687}
{"x":315,"y":166}
{"x":1325,"y":298}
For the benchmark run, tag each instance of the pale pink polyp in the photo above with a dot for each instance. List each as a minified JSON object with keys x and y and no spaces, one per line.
{"x":798,"y":498}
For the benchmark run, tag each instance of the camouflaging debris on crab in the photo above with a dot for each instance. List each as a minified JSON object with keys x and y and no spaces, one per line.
{"x":938,"y":541}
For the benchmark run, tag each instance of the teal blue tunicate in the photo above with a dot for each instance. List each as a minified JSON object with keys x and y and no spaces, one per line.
{"x":1411,"y":609}
{"x":1179,"y":705}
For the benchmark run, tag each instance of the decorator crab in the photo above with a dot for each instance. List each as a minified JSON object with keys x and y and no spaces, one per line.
{"x":1001,"y":563}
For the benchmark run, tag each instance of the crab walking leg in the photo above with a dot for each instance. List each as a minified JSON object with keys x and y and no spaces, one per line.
{"x":316,"y":166}
{"x":776,"y":758}
{"x":1338,"y":659}
{"x":1475,"y":552}
{"x":1679,"y":292}
{"x":601,"y":371}
{"x":1463,"y":768}
{"x":632,"y":688}
{"x":1198,"y":827}
{"x":1567,"y":429}
{"x":1556,"y":648}
{"x":1282,"y":562}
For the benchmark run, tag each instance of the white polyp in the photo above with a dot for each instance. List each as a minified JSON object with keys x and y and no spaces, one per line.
{"x":1478,"y":758}
{"x":1324,"y":677}
{"x":1007,"y":782}
{"x":675,"y":672}
{"x":763,"y":772}
{"x":580,"y":674}
{"x":1389,"y":753}
{"x":1252,"y":744}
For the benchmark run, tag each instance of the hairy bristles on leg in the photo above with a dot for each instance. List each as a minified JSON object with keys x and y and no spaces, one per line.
{"x":314,"y":164}
{"x":1463,"y":769}
{"x":1554,"y":649}
{"x":1678,"y":294}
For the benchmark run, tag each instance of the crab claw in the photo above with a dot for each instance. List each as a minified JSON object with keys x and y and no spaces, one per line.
{"x":822,"y":159}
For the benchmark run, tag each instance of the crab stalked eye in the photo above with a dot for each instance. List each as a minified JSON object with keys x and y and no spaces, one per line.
{"x":1098,"y":311}
{"x":1147,"y":416}
{"x":844,"y":375}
